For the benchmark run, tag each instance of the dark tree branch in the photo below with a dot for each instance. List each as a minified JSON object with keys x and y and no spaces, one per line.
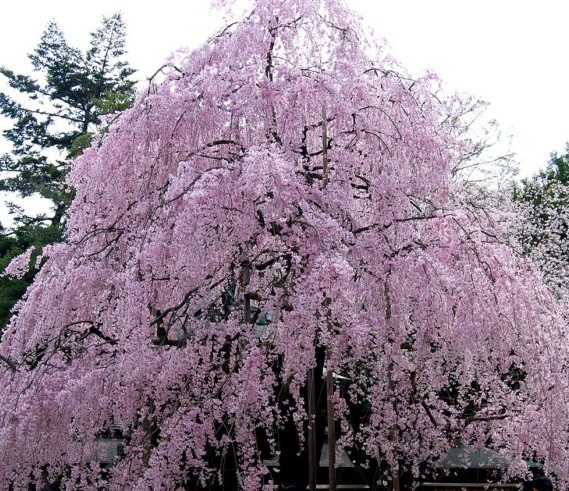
{"x":162,"y":315}
{"x":9,"y":362}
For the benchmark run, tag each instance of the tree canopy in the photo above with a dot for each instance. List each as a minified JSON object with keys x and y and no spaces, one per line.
{"x":543,"y":229}
{"x":282,"y":201}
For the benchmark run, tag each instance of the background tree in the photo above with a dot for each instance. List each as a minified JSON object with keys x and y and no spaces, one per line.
{"x":282,"y":202}
{"x":544,"y":230}
{"x":54,"y":114}
{"x":10,"y":289}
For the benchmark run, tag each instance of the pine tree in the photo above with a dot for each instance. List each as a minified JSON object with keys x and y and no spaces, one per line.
{"x":54,"y":114}
{"x":61,"y":107}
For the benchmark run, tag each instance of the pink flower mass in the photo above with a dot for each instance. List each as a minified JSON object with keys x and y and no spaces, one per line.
{"x":284,"y":198}
{"x":20,"y":264}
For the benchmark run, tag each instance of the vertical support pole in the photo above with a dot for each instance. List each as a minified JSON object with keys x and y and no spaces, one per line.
{"x":147,"y":428}
{"x":395,"y":479}
{"x":245,"y":278}
{"x":329,"y":373}
{"x":394,"y":432}
{"x":247,"y":308}
{"x":312,"y":454}
{"x":331,"y":429}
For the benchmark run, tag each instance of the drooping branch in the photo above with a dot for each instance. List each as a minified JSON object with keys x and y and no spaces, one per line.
{"x":325,"y":176}
{"x":175,"y":308}
{"x":393,"y":222}
{"x":97,"y":332}
{"x":9,"y":362}
{"x":269,"y":66}
{"x":161,"y":70}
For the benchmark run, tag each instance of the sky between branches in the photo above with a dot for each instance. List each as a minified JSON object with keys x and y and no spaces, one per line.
{"x":511,"y":53}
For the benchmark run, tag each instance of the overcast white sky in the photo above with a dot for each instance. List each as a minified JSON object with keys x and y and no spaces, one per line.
{"x":512,"y":53}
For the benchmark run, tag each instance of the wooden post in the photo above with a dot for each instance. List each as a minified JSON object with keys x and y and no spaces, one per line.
{"x":312,"y":454}
{"x":394,"y":432}
{"x":147,"y":428}
{"x":329,"y":373}
{"x":247,"y":309}
{"x":331,"y":429}
{"x":395,"y":481}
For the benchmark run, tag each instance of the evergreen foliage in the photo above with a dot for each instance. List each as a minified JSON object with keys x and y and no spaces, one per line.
{"x":53,"y":114}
